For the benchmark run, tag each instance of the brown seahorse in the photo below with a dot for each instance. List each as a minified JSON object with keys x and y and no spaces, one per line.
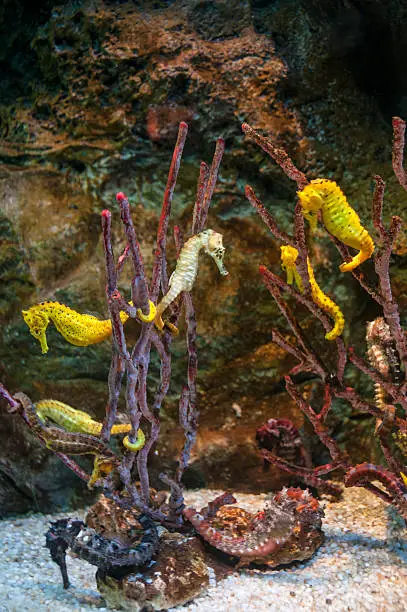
{"x":69,"y":443}
{"x":184,"y":275}
{"x":74,"y":420}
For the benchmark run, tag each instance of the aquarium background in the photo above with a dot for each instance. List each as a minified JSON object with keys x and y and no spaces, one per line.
{"x":91,"y":95}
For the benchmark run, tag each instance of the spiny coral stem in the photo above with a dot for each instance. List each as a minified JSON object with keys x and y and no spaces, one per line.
{"x":364,"y":473}
{"x":277,"y":338}
{"x":122,"y":260}
{"x":188,"y":411}
{"x":111,"y":285}
{"x":399,"y":129}
{"x":192,"y":349}
{"x":72,"y":465}
{"x":274,"y":284}
{"x":349,"y":394}
{"x":377,"y":205}
{"x":159,"y":259}
{"x":337,"y":455}
{"x":200,"y":194}
{"x":308,"y":475}
{"x":267,"y":217}
{"x":116,"y":372}
{"x":382,"y":257}
{"x":139,"y":275}
{"x":279,"y":156}
{"x":14,"y":404}
{"x":176,"y":502}
{"x":162,"y":347}
{"x":374,"y":375}
{"x":322,"y":414}
{"x":211,"y":182}
{"x":301,"y":246}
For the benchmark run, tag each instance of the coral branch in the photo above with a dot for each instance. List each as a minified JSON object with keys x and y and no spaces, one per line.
{"x":307,"y":475}
{"x":140,"y":295}
{"x":359,"y":475}
{"x":115,"y":378}
{"x":204,"y":173}
{"x":273,"y":284}
{"x":210,"y":184}
{"x":399,"y":129}
{"x":279,"y":156}
{"x":111,"y":286}
{"x":14,"y":404}
{"x":374,"y":375}
{"x":159,"y":259}
{"x":338,"y":456}
{"x":267,"y":217}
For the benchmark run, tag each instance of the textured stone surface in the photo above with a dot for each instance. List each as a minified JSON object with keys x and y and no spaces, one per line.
{"x":178,"y":575}
{"x":91,"y":98}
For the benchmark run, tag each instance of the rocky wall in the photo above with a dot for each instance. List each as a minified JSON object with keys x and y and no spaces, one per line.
{"x":91,"y":97}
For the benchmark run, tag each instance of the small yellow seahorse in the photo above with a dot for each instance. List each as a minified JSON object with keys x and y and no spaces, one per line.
{"x":288,"y":258}
{"x":74,"y":420}
{"x":184,"y":275}
{"x":78,"y":329}
{"x":339,"y":218}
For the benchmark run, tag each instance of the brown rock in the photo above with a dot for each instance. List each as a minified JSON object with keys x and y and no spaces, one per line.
{"x":178,"y":574}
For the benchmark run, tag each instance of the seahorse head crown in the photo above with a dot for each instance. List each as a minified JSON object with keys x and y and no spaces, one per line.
{"x":312,"y":194}
{"x":213,"y":245}
{"x":288,"y":256}
{"x":37,"y":321}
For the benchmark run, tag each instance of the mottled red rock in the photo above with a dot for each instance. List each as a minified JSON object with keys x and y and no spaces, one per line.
{"x":288,"y":529}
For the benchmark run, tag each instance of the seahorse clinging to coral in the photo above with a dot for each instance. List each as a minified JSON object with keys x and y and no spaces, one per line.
{"x":75,"y":420}
{"x":339,"y":218}
{"x":78,"y":329}
{"x":288,"y":258}
{"x":70,"y":443}
{"x":184,"y":275}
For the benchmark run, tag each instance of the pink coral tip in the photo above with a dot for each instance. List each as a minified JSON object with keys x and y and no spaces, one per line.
{"x":120,"y":196}
{"x":106,"y":213}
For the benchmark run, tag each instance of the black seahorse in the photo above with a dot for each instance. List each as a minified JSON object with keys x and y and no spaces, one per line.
{"x":108,"y":555}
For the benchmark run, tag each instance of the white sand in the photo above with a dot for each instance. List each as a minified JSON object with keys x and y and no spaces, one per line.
{"x":362,"y":566}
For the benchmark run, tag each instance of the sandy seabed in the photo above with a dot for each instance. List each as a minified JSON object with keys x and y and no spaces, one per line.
{"x":361,"y":566}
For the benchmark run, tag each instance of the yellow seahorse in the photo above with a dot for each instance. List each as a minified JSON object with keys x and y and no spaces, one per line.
{"x":74,"y":420}
{"x":184,"y":275}
{"x":78,"y":329}
{"x":288,"y":258}
{"x":339,"y":218}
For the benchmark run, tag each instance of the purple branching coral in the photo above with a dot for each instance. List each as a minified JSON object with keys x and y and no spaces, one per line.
{"x":132,"y":364}
{"x":386,"y":343}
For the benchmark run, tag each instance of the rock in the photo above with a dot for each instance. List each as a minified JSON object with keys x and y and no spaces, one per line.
{"x":33,"y":478}
{"x":91,"y":98}
{"x":112,"y":521}
{"x":177,"y":575}
{"x":288,"y":529}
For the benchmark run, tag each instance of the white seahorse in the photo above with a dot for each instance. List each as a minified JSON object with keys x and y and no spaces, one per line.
{"x":184,"y":275}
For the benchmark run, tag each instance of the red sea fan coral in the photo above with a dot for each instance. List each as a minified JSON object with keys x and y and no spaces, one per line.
{"x":386,"y":341}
